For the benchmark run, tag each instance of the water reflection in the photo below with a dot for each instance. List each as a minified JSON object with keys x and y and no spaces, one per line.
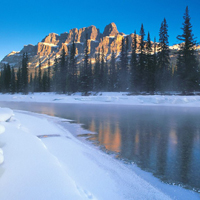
{"x":163,"y":140}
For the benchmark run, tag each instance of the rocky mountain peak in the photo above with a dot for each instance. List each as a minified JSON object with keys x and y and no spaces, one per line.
{"x":51,"y":46}
{"x":110,"y":30}
{"x":52,"y":38}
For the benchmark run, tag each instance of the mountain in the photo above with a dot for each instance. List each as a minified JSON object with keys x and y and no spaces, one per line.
{"x":53,"y":44}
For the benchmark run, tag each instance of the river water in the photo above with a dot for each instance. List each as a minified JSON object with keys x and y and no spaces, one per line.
{"x":162,"y":140}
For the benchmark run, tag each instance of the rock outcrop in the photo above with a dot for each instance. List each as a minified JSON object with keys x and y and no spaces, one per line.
{"x":110,"y":30}
{"x":52,"y":45}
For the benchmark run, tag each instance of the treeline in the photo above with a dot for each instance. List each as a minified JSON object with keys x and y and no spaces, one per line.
{"x":147,"y":70}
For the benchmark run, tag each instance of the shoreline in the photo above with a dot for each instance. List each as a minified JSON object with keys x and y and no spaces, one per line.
{"x":90,"y":169}
{"x":107,"y":98}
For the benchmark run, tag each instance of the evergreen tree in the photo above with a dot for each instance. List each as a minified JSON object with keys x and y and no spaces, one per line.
{"x":45,"y":81}
{"x":187,"y":64}
{"x":13,"y":81}
{"x":25,"y":73}
{"x":112,"y":75}
{"x":3,"y":71}
{"x":56,"y":76}
{"x":7,"y":78}
{"x":49,"y":76}
{"x":40,"y":77}
{"x":154,"y":63}
{"x":90,"y":75}
{"x":101,"y":77}
{"x":1,"y":85}
{"x":63,"y":72}
{"x":105,"y":76}
{"x":96,"y":82}
{"x":85,"y":81}
{"x":72,"y":74}
{"x":142,"y":61}
{"x":19,"y":80}
{"x":123,"y":75}
{"x":150,"y":70}
{"x":163,"y":59}
{"x":134,"y":71}
{"x":36,"y":84}
{"x":31,"y":84}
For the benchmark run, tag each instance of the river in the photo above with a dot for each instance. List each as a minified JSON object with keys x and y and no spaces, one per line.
{"x":162,"y":140}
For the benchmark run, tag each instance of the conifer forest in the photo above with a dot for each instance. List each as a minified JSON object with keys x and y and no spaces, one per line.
{"x":147,"y":70}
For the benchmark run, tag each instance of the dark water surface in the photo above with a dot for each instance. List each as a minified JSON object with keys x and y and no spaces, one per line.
{"x":162,"y":140}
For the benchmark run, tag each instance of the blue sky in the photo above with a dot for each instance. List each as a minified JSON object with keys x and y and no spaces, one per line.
{"x":28,"y":22}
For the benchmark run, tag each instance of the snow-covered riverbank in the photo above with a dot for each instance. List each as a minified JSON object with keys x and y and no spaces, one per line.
{"x":106,"y":98}
{"x":44,"y":161}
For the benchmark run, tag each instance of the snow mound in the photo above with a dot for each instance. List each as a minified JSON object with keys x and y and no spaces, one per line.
{"x":2,"y":129}
{"x":5,"y":115}
{"x":1,"y":156}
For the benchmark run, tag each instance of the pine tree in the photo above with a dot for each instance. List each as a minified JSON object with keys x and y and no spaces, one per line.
{"x":63,"y":72}
{"x":56,"y":76}
{"x":85,"y":81}
{"x":134,"y":71}
{"x":72,"y":73}
{"x":31,"y":84}
{"x":13,"y":81}
{"x":112,"y":75}
{"x":36,"y":84}
{"x":25,"y":73}
{"x":187,"y":64}
{"x":163,"y":59}
{"x":150,"y":72}
{"x":97,"y":72}
{"x":45,"y":81}
{"x":105,"y":76}
{"x":1,"y":81}
{"x":142,"y":61}
{"x":19,"y":80}
{"x":40,"y":77}
{"x":49,"y":76}
{"x":123,"y":75}
{"x":154,"y":63}
{"x":7,"y":78}
{"x":102,"y":66}
{"x":90,"y":75}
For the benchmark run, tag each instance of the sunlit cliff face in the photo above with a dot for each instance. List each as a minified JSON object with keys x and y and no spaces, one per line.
{"x":51,"y":46}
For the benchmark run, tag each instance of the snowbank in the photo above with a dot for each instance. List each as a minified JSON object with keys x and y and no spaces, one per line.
{"x":45,"y":161}
{"x":5,"y":115}
{"x":106,"y":98}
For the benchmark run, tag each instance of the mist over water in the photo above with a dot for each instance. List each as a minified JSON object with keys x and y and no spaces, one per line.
{"x":162,"y":140}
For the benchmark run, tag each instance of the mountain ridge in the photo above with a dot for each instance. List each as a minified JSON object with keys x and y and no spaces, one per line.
{"x":52,"y":45}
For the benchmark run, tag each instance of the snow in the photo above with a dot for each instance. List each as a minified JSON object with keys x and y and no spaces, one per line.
{"x":43,"y":160}
{"x":95,"y":41}
{"x":5,"y":115}
{"x":62,"y":167}
{"x":1,"y":156}
{"x":121,"y":98}
{"x":111,"y":37}
{"x":2,"y":129}
{"x":49,"y":44}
